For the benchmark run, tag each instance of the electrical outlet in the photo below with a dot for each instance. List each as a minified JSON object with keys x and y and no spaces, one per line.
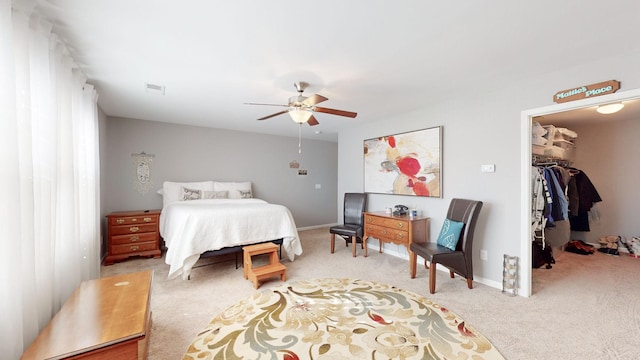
{"x":484,"y":255}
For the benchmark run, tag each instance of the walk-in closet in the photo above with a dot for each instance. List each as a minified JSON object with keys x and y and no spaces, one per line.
{"x":585,"y":163}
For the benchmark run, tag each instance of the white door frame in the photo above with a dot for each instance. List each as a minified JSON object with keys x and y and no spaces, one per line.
{"x":525,"y":171}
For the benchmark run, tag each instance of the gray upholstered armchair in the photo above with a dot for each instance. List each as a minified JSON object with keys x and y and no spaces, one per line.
{"x":458,"y":261}
{"x":352,"y":228}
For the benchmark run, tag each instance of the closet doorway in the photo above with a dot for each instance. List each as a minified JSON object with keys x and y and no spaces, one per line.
{"x":564,"y":114}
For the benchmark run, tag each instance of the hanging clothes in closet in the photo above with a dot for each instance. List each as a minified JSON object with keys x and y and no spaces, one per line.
{"x":550,"y":204}
{"x":582,"y":196}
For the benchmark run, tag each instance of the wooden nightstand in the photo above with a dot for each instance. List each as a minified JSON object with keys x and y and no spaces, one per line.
{"x":400,"y":230}
{"x":132,"y":233}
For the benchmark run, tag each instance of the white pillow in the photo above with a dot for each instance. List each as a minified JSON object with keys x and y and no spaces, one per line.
{"x":191,"y":194}
{"x":216,"y":195}
{"x":244,"y":194}
{"x":234,"y":188}
{"x":172,"y":191}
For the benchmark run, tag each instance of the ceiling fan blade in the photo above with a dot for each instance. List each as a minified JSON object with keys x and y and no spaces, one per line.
{"x":314,"y":99}
{"x":266,"y":104}
{"x":272,"y":115}
{"x":335,"y":112}
{"x":312,"y":121}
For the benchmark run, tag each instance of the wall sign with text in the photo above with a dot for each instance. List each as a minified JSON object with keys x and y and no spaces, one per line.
{"x":587,"y":91}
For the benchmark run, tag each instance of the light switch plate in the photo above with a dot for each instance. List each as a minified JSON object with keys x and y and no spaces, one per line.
{"x":488,"y":168}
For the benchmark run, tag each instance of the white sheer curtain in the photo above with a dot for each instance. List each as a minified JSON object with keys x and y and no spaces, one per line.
{"x":49,"y":211}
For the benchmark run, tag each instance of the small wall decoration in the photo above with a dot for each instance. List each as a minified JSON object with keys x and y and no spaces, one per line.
{"x":404,"y":164}
{"x":294,"y":165}
{"x":142,"y":163}
{"x":585,"y":91}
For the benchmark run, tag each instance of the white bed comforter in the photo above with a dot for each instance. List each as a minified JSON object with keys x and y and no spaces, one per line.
{"x":190,"y":228}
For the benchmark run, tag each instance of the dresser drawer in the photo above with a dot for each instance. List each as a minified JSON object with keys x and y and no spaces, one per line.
{"x":388,"y":234}
{"x":133,"y":238}
{"x":133,"y":229}
{"x":128,"y":220}
{"x":132,"y":248}
{"x":386,"y":222}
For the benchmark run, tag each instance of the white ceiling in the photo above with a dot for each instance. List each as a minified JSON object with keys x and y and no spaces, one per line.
{"x":374,"y":57}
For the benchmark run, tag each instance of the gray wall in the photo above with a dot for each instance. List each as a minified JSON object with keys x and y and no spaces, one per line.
{"x":482,"y":126}
{"x":607,"y":153}
{"x":190,"y":153}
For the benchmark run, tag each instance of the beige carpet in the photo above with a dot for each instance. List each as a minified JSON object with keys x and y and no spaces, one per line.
{"x":586,"y":307}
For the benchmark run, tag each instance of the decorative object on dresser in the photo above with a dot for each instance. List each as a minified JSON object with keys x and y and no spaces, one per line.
{"x":353,"y":222}
{"x":132,"y":233}
{"x":106,"y":318}
{"x":459,"y":260}
{"x":404,"y":164}
{"x":400,"y":230}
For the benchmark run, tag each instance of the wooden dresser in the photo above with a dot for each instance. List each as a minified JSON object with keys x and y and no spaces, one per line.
{"x":106,"y":318}
{"x":400,"y":230}
{"x":132,"y":233}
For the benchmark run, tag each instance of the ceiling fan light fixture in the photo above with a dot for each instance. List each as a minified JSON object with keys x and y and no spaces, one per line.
{"x":610,"y":108}
{"x":300,"y":116}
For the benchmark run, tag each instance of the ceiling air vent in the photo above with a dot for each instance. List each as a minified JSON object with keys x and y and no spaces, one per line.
{"x":154,"y":89}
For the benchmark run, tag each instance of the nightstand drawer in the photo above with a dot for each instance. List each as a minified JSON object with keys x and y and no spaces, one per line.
{"x":386,"y":222}
{"x":133,"y":248}
{"x":133,"y":229}
{"x":128,"y":220}
{"x":133,"y":238}
{"x":393,"y":235}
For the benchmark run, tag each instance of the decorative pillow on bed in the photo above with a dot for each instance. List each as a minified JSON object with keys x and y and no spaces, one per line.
{"x":216,"y":195}
{"x":245,"y":194}
{"x":233,"y":188}
{"x":172,"y":191}
{"x":450,"y":233}
{"x":191,"y":194}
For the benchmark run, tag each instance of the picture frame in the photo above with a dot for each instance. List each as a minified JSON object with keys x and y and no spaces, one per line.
{"x":408,"y":163}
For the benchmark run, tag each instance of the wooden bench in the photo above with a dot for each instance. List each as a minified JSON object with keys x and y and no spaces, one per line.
{"x":274,"y":268}
{"x":107,"y":318}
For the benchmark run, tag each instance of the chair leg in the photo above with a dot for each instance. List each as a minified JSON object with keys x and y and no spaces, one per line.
{"x":470,"y":283}
{"x":333,"y":243}
{"x":353,"y":246}
{"x":425,"y":264}
{"x":432,"y":278}
{"x":452,"y":274}
{"x":413,"y":259}
{"x":364,"y":246}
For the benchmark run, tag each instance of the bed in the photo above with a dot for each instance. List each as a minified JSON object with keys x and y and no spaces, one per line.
{"x":195,"y":222}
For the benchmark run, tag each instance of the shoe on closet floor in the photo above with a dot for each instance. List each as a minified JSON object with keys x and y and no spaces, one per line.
{"x":576,"y":247}
{"x":609,"y":251}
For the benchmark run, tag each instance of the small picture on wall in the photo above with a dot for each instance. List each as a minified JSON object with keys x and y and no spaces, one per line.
{"x":404,"y":164}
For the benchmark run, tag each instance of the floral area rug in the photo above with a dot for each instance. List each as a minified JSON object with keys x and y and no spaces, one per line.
{"x":339,"y":319}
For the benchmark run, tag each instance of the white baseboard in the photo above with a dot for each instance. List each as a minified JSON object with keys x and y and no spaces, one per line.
{"x":403,"y":255}
{"x":316,"y":227}
{"x":392,"y":249}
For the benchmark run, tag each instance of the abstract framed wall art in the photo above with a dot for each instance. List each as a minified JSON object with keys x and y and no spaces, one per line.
{"x":404,"y":164}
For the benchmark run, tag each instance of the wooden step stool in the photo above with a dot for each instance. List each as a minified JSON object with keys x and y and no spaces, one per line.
{"x":263,"y":272}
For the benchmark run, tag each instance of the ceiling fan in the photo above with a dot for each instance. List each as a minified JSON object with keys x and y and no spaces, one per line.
{"x":301,"y":108}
